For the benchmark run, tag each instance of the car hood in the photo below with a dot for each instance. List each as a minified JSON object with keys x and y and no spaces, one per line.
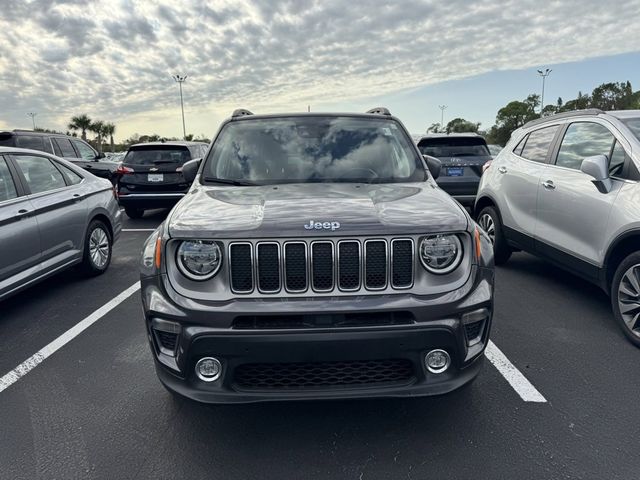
{"x":284,"y":210}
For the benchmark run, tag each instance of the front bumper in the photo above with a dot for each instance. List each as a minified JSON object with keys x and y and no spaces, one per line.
{"x":207,"y":330}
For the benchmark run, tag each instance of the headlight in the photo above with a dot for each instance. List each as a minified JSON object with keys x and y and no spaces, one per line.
{"x":440,"y":253}
{"x":199,"y":259}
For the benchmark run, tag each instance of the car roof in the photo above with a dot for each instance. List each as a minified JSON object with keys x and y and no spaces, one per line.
{"x":24,"y":150}
{"x":624,"y":113}
{"x":17,"y":131}
{"x":250,"y":117}
{"x":169,"y":143}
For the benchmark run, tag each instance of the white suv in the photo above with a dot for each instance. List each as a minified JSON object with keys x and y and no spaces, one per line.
{"x":566,"y":188}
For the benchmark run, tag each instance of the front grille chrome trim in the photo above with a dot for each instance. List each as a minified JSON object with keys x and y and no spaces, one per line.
{"x":388,"y":265}
{"x":337,"y":262}
{"x":413,"y":263}
{"x":256,"y":267}
{"x":253,"y":276}
{"x":306,"y":268}
{"x":333,"y":270}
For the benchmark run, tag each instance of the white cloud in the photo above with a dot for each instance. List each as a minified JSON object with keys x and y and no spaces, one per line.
{"x":114,"y":60}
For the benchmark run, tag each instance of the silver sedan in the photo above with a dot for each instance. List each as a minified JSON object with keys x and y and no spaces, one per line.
{"x":53,"y":215}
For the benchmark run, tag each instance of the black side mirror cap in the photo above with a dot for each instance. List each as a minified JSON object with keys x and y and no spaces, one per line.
{"x":190,"y":169}
{"x":434,"y":165}
{"x":100,"y":155}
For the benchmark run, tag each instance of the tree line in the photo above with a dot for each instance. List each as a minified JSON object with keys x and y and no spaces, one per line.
{"x":607,"y":96}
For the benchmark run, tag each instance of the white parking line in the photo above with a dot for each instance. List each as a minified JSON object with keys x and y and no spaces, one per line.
{"x":138,"y":229}
{"x":37,"y":358}
{"x":516,"y":379}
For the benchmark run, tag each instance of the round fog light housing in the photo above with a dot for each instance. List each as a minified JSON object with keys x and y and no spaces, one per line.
{"x":437,"y":361}
{"x":208,"y":369}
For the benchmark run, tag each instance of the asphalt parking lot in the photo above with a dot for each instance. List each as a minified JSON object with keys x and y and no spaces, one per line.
{"x":94,"y":408}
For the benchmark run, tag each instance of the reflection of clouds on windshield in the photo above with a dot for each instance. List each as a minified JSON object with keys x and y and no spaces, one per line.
{"x":313,"y":149}
{"x":584,"y":140}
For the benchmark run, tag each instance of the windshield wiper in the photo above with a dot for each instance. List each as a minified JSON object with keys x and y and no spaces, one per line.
{"x":226,"y":181}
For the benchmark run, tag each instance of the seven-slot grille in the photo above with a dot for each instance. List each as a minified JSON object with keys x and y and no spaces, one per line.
{"x":346,"y":265}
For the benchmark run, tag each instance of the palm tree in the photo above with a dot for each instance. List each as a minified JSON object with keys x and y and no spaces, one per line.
{"x":109,"y":130}
{"x":97,"y":127}
{"x":81,"y":122}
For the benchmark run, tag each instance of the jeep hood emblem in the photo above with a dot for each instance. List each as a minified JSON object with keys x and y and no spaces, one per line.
{"x":322,"y":225}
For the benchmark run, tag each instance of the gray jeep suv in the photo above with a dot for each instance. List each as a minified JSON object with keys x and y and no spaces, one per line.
{"x":315,"y":257}
{"x":566,"y":188}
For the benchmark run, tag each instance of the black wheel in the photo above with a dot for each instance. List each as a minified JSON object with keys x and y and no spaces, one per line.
{"x":625,"y":297}
{"x":134,"y":212}
{"x":98,"y":247}
{"x":490,"y":222}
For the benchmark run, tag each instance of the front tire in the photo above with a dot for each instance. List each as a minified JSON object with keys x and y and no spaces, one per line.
{"x":98,"y":247}
{"x":625,"y":297}
{"x":490,"y":222}
{"x":134,"y":213}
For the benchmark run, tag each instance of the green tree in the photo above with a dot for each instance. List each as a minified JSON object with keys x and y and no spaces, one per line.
{"x":109,"y":130}
{"x":512,"y":116}
{"x":434,"y":128}
{"x":97,"y":127}
{"x":460,"y":125}
{"x":81,"y":122}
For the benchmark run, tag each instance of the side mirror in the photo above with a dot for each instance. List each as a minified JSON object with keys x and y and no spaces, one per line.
{"x":598,"y":168}
{"x":434,"y":165}
{"x":99,"y":156}
{"x":190,"y":169}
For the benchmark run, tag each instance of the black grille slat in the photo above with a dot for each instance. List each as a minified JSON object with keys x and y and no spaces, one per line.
{"x":295,"y":267}
{"x":322,"y":261}
{"x":349,"y":265}
{"x":402,"y":274}
{"x":376,"y":264}
{"x":241,"y":267}
{"x":318,"y":375}
{"x":268,"y":256}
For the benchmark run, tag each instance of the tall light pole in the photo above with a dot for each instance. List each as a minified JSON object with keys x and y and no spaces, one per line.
{"x":442,"y":108}
{"x":544,"y":76}
{"x":33,"y":118}
{"x":181,"y":79}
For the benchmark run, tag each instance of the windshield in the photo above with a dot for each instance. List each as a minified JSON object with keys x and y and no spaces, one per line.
{"x":454,"y":147}
{"x":313,"y":149}
{"x":154,"y":155}
{"x":634,"y":125}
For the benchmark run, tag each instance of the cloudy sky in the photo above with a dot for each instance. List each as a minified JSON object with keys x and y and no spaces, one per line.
{"x":114,"y":59}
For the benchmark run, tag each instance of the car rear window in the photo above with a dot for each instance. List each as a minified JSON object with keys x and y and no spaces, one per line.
{"x":29,"y":141}
{"x":454,"y":147}
{"x":157,"y":154}
{"x":537,"y":145}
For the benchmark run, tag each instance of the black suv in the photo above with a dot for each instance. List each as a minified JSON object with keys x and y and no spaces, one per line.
{"x":315,"y":257}
{"x":462,"y":155}
{"x":70,"y":148}
{"x":150,"y":175}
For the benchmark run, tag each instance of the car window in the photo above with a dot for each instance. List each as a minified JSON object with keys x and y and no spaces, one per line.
{"x":537,"y":145}
{"x":157,"y":155}
{"x":520,"y":146}
{"x":40,"y":173}
{"x":71,"y":176}
{"x":34,"y":142}
{"x":7,"y":186}
{"x":618,"y":158}
{"x":582,"y":140}
{"x":451,"y":146}
{"x":65,"y":147}
{"x":313,"y":149}
{"x":85,"y":150}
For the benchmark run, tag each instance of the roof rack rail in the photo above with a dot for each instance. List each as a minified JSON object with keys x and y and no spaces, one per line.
{"x":379,"y":111}
{"x":241,"y":112}
{"x":558,"y":116}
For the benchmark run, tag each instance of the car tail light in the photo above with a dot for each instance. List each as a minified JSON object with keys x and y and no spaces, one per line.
{"x":123,"y":170}
{"x":486,"y":166}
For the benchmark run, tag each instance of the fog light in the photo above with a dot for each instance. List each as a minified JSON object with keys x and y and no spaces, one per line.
{"x":208,"y":369}
{"x":437,"y":361}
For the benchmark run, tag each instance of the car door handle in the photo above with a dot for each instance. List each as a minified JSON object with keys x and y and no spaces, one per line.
{"x":502,"y":169}
{"x":548,"y":184}
{"x":76,"y":197}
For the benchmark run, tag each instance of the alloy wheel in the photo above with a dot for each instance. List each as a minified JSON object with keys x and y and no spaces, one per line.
{"x":486,"y":223}
{"x":629,"y":299}
{"x":99,"y":247}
